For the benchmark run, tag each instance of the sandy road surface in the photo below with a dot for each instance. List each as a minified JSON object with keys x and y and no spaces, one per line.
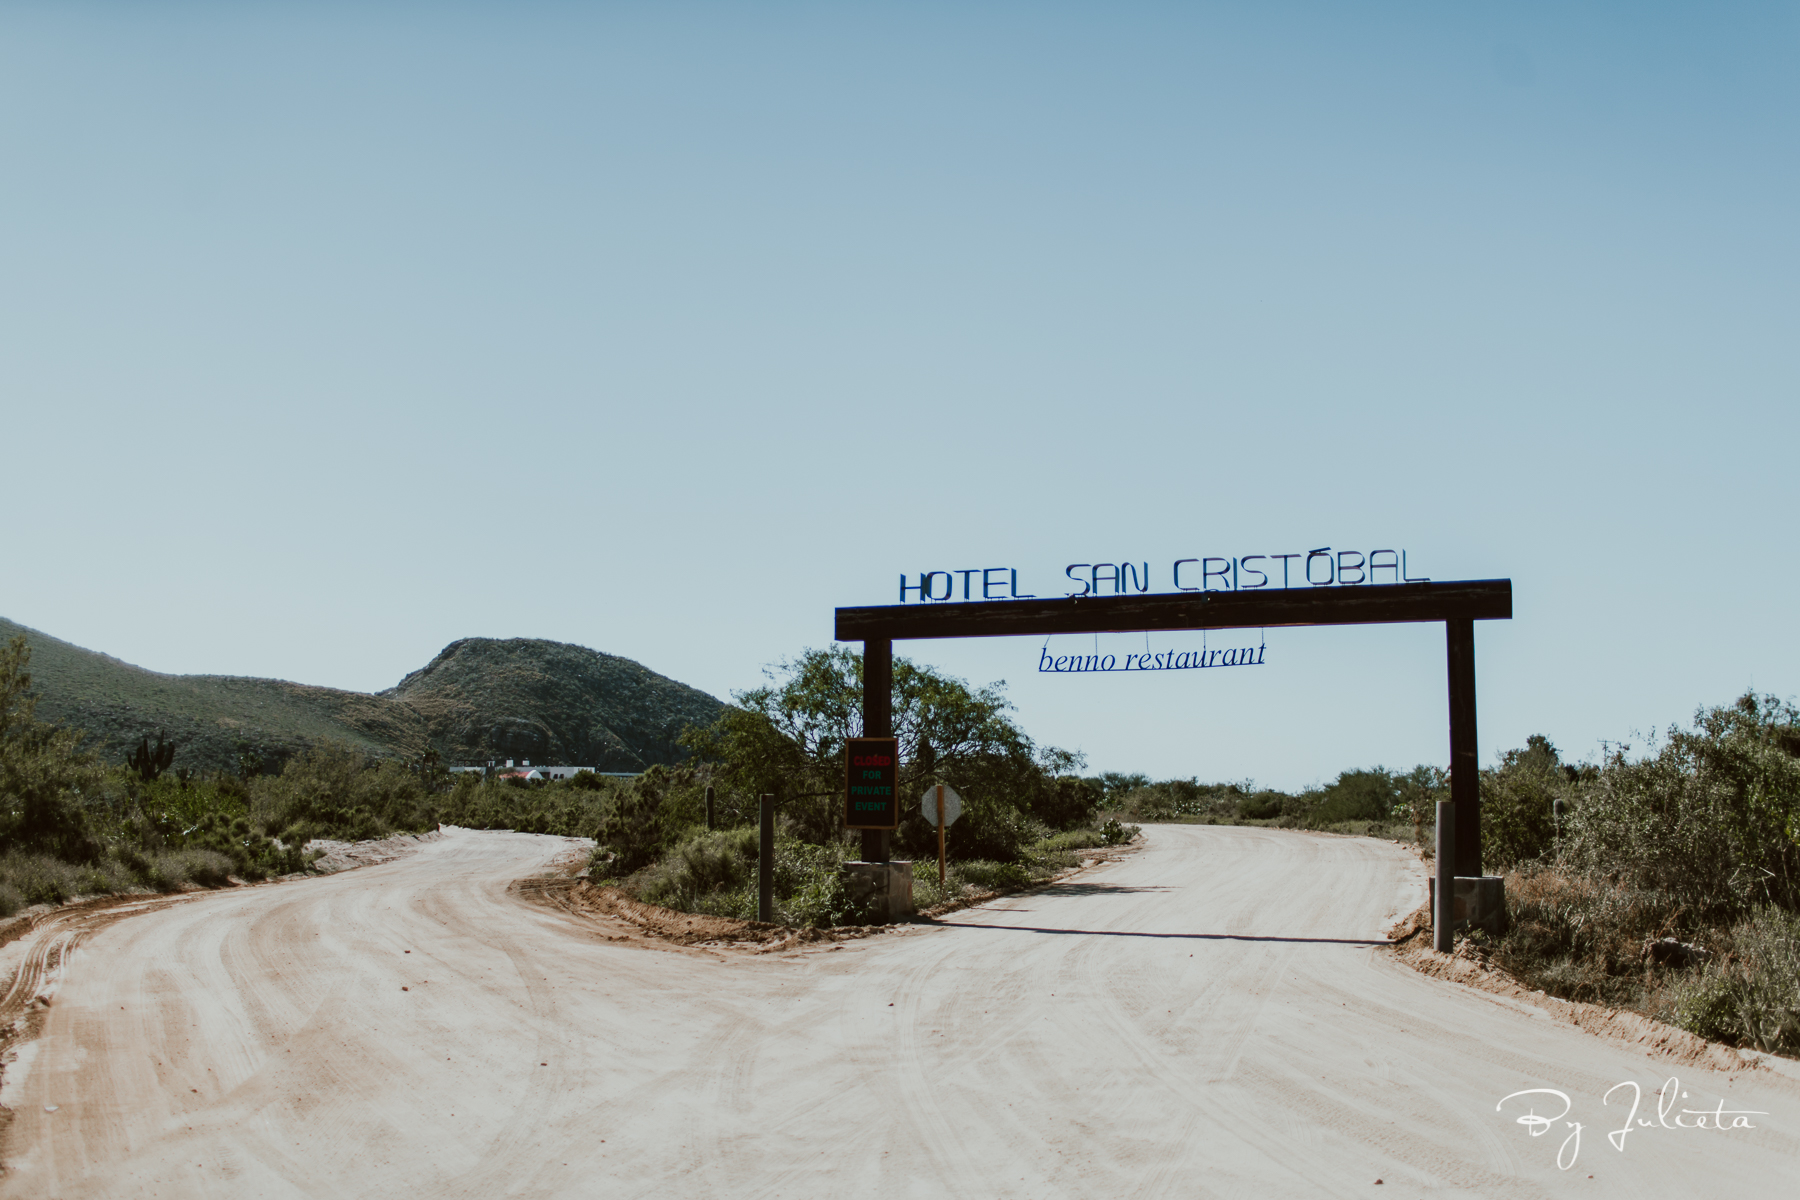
{"x":1204,"y":1018}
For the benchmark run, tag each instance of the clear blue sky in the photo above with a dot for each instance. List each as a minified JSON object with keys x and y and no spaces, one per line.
{"x":329,"y":334}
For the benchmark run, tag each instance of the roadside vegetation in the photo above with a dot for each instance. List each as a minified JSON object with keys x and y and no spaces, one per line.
{"x":1665,"y":880}
{"x":72,"y":825}
{"x":1669,"y":882}
{"x":1372,"y":802}
{"x":1027,"y":813}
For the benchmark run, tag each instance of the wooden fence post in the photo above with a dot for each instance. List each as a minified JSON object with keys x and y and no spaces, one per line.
{"x":765,"y":862}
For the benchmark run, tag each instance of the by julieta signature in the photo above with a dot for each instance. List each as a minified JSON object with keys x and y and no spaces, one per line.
{"x":1668,"y":1116}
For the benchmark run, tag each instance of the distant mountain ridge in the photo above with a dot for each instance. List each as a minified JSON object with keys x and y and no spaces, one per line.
{"x":479,"y":698}
{"x":551,"y":702}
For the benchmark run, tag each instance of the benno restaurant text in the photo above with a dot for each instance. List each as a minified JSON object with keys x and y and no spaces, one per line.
{"x":1323,"y":567}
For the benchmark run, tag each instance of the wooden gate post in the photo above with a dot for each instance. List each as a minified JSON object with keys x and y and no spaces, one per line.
{"x":878,"y":721}
{"x":1465,"y":763}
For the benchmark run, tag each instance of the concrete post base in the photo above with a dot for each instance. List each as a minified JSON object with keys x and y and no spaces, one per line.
{"x":881,"y":889}
{"x":1479,"y":902}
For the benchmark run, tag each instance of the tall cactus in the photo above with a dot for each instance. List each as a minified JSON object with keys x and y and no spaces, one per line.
{"x":150,"y":763}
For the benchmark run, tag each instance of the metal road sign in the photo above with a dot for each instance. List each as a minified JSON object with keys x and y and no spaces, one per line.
{"x":952,"y":804}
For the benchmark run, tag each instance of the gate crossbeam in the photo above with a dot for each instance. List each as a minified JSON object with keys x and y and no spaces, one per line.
{"x":1458,"y":604}
{"x":1370,"y":604}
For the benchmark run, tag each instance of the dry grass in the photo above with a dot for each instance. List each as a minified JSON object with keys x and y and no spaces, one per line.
{"x":27,"y":879}
{"x":1583,"y":937}
{"x":1748,"y":994}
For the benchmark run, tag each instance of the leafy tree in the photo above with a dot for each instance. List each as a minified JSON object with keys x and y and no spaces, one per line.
{"x":1518,"y":822}
{"x":250,"y":761}
{"x":632,"y":827}
{"x":1359,"y":795}
{"x":42,"y":771}
{"x":1712,"y":817}
{"x":338,"y":788}
{"x":1115,"y":786}
{"x":429,"y":767}
{"x":788,"y":737}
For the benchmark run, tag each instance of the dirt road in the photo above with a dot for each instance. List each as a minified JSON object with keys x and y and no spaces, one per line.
{"x":1205,"y":1018}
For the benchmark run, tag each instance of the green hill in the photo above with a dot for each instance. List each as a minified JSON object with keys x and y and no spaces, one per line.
{"x":479,"y":699}
{"x":550,"y":702}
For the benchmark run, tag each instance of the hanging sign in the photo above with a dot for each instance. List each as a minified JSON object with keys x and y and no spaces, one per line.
{"x":1186,"y":660}
{"x":1319,"y":567}
{"x":871,"y":781}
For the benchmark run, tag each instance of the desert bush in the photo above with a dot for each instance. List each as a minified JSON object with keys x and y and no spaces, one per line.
{"x":630,"y":833}
{"x":1712,"y":817}
{"x":568,"y":809}
{"x":715,"y":873}
{"x":168,"y":870}
{"x":809,"y":886}
{"x":1138,"y":797}
{"x":1114,"y":833}
{"x":994,"y":876}
{"x":342,"y":792}
{"x":1073,"y":839}
{"x":1363,"y":795}
{"x":788,"y":738}
{"x":1517,"y":804}
{"x":37,"y":878}
{"x":42,"y":771}
{"x":1374,"y":794}
{"x":703,"y":864}
{"x":1749,"y":992}
{"x":989,"y":829}
{"x":1581,"y":935}
{"x":1260,"y":806}
{"x":1059,"y":801}
{"x":172,"y":811}
{"x":1395,"y":831}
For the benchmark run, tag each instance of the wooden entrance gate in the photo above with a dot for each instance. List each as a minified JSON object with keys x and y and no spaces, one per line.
{"x":1457,"y":604}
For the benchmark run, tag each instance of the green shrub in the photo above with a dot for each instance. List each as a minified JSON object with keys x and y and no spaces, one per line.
{"x":1749,"y":994}
{"x":1060,"y":803}
{"x":1705,"y":1006}
{"x":1581,"y":936}
{"x":703,"y":864}
{"x":630,"y":831}
{"x":43,"y":772}
{"x":810,"y":888}
{"x":344,"y":793}
{"x":1364,"y":795}
{"x":207,"y":867}
{"x":1712,"y":818}
{"x":1074,"y":839}
{"x":1517,"y":805}
{"x":1115,"y":834}
{"x":1261,"y":806}
{"x":38,"y":878}
{"x":994,"y":876}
